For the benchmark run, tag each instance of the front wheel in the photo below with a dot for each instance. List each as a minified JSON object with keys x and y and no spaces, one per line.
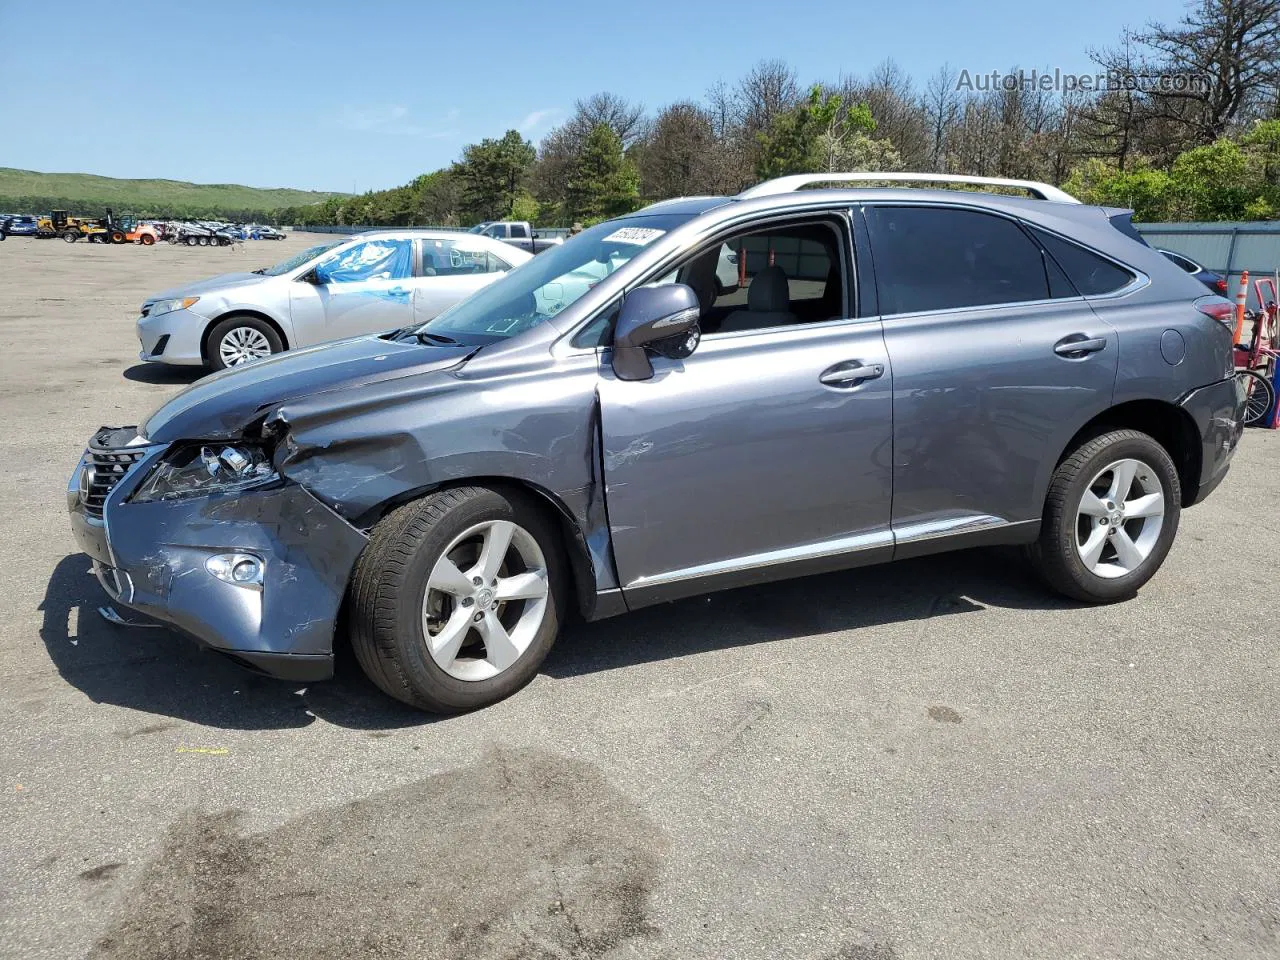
{"x":1110,"y":517}
{"x":1259,"y":395}
{"x":238,"y":340}
{"x":458,"y":598}
{"x":71,"y":236}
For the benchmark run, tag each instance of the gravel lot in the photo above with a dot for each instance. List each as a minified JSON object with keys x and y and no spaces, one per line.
{"x":930,"y":759}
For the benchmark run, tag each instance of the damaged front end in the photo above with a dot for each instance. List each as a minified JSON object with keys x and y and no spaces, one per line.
{"x":211,"y":539}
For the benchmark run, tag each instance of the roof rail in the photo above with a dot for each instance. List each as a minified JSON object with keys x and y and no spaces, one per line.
{"x":1041,"y":191}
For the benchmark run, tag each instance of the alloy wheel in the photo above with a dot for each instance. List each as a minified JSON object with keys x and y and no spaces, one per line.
{"x":242,"y":344}
{"x":486,"y":598}
{"x":1119,"y":519}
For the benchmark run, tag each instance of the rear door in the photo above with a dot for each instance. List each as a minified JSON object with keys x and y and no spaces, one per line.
{"x":997,"y":362}
{"x":452,"y":268}
{"x":367,"y":288}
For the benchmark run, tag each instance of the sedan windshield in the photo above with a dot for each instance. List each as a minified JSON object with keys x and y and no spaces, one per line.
{"x":298,"y":259}
{"x":542,"y":287}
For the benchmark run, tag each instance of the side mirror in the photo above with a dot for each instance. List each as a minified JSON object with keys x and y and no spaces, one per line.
{"x":312,"y":276}
{"x":662,"y":320}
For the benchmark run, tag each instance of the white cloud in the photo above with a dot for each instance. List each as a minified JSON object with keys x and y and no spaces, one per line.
{"x":537,"y":119}
{"x":393,"y":120}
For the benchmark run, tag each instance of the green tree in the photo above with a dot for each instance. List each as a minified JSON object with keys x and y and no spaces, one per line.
{"x":1211,"y":182}
{"x":821,"y":134}
{"x":604,"y":182}
{"x":491,"y":174}
{"x":1150,"y":193}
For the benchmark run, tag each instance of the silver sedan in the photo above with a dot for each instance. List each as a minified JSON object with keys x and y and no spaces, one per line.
{"x":344,"y":287}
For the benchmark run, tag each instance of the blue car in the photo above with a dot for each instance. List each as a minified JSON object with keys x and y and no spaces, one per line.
{"x":1216,"y":284}
{"x":22,"y":226}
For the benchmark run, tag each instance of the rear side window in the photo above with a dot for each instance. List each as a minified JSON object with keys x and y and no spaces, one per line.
{"x":518,"y":230}
{"x":1091,"y":274}
{"x":940,"y":258}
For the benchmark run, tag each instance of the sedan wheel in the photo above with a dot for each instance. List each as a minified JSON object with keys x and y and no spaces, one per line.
{"x":243,"y":344}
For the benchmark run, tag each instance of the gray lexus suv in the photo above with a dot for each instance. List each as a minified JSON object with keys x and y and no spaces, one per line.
{"x":893,"y":372}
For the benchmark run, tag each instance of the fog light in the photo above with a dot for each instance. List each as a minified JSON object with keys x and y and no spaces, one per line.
{"x":242,"y":569}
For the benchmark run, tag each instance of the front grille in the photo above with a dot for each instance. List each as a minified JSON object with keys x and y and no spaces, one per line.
{"x":109,"y":464}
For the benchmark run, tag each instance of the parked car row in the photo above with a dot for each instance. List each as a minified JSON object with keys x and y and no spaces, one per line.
{"x":614,"y":424}
{"x":128,"y":229}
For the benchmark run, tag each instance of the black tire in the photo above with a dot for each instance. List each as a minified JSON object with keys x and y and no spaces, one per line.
{"x":192,"y":241}
{"x":1260,"y":395}
{"x":71,"y":236}
{"x":389,"y":586}
{"x":213,"y":345}
{"x":1056,"y":555}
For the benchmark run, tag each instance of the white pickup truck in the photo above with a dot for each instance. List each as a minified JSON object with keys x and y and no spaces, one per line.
{"x":518,"y":233}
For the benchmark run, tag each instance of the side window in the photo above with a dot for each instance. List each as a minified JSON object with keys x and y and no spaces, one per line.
{"x":1091,"y":274}
{"x":781,"y":276}
{"x":498,"y":231}
{"x":518,"y":230}
{"x":942,"y":258}
{"x":371,"y":260}
{"x":451,"y":258}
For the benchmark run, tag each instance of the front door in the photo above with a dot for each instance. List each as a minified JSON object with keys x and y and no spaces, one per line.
{"x":741,"y":457}
{"x":367,"y":288}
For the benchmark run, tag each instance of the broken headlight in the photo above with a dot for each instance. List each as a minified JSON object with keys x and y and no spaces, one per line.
{"x":196,"y":471}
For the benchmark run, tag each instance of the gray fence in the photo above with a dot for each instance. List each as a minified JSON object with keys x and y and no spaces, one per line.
{"x":1224,"y":248}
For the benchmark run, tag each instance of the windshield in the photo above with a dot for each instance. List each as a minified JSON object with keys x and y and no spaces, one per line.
{"x":479,"y":227}
{"x":298,"y":259}
{"x":542,"y":287}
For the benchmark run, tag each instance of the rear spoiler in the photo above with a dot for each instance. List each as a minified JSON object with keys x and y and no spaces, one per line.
{"x":1122,"y":220}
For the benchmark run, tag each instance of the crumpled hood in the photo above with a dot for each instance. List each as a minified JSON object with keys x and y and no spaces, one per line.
{"x":221,"y":282}
{"x":219,"y":406}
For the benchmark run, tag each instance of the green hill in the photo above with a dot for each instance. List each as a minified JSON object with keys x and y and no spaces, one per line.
{"x":26,"y":191}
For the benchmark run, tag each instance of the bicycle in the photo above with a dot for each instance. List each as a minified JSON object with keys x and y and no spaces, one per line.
{"x":1256,"y":362}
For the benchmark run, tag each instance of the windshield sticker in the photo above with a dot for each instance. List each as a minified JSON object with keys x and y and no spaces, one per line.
{"x":637,"y":235}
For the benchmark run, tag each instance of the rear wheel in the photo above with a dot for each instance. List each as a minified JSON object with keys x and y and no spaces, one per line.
{"x":192,"y":241}
{"x":1259,"y":395}
{"x":458,"y":598}
{"x":147,"y":239}
{"x":1110,"y":517}
{"x":71,"y":236}
{"x":238,"y":340}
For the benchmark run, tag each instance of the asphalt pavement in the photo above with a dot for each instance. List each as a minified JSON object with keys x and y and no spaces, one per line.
{"x":935,"y":758}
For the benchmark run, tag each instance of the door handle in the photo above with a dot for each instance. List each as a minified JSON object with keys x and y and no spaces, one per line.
{"x":850,"y":373}
{"x":1079,"y":345}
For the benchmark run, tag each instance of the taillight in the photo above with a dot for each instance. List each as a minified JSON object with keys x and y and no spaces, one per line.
{"x":1221,"y":286}
{"x":1224,"y":311}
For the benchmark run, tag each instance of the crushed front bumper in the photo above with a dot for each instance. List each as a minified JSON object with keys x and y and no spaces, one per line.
{"x":1218,"y":411}
{"x":151,"y":557}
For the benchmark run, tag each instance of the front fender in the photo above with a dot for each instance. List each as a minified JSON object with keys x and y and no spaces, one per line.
{"x":365,"y":450}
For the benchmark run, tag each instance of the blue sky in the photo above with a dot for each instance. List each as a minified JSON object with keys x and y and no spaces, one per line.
{"x":367,"y":95}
